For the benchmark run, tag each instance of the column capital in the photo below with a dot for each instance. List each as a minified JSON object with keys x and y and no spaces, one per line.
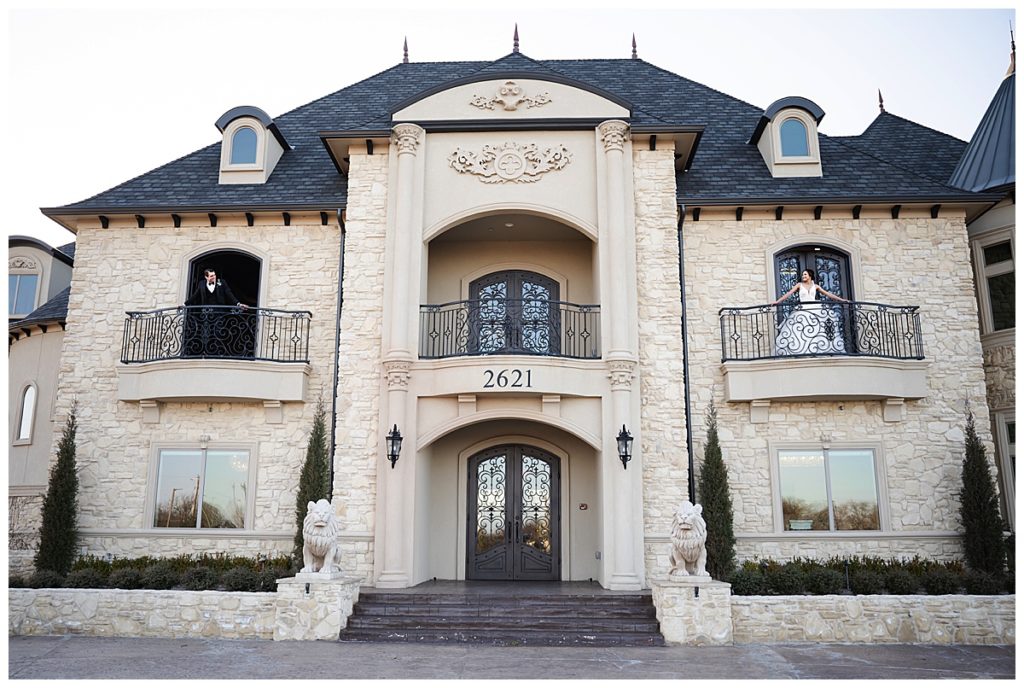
{"x":406,"y":137}
{"x":621,"y":373}
{"x":397,"y":373}
{"x":613,"y":134}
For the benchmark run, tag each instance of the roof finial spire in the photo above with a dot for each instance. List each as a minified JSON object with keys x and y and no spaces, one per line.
{"x":405,"y":50}
{"x":515,"y":39}
{"x":1013,"y":55}
{"x":634,"y":47}
{"x":881,"y":104}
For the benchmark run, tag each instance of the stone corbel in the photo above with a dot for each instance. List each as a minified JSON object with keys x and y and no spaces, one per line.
{"x":150,"y":410}
{"x":759,"y":410}
{"x":274,"y":411}
{"x":892,"y":410}
{"x":551,"y":405}
{"x":467,"y":404}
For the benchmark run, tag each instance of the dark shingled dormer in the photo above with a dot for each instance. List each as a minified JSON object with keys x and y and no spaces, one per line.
{"x":787,"y":137}
{"x":251,"y":147}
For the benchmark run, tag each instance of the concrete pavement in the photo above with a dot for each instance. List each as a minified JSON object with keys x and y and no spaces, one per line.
{"x":78,"y":657}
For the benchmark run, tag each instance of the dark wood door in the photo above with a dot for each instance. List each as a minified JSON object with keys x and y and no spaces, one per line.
{"x":513,"y":512}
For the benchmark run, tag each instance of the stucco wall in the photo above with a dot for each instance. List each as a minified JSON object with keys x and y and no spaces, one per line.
{"x":32,"y":361}
{"x":126,"y":268}
{"x":916,"y":261}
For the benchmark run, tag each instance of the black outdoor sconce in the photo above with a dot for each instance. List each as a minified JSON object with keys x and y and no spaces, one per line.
{"x":625,"y":441}
{"x":394,"y":445}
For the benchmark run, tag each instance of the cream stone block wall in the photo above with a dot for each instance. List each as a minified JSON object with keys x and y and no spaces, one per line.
{"x":913,"y":261}
{"x":313,"y":607}
{"x":143,"y":613}
{"x":935,"y":620}
{"x":693,"y":613}
{"x":358,"y":436}
{"x":662,"y":414}
{"x":24,"y":518}
{"x":127,"y":268}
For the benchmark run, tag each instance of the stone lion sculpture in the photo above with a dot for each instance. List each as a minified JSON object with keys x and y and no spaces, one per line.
{"x":689,"y":534}
{"x":320,"y":551}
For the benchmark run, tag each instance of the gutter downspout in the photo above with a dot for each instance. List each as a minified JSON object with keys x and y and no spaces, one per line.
{"x":680,"y":216}
{"x":337,"y":343}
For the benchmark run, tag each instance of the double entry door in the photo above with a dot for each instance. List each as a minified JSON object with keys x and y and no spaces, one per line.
{"x":513,"y":511}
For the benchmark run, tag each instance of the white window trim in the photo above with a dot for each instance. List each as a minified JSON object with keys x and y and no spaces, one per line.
{"x":983,"y":272}
{"x":229,"y":140}
{"x":776,"y":486}
{"x":814,"y":154}
{"x":153,"y":476}
{"x":22,"y":441}
{"x":1007,"y":490}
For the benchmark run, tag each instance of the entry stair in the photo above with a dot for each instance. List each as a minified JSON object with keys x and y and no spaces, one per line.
{"x":504,"y":618}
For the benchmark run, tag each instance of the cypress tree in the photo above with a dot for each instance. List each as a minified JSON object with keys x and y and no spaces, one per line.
{"x":979,"y":507}
{"x":314,"y":482}
{"x":58,"y":535}
{"x":713,"y":494}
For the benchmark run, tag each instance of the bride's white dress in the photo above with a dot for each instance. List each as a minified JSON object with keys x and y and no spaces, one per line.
{"x":812,"y":327}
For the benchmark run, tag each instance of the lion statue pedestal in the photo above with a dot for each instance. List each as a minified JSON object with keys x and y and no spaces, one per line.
{"x":688,"y":560}
{"x":321,"y":554}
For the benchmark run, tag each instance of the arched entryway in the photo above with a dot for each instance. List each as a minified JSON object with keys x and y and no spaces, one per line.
{"x":240,"y":270}
{"x":514,"y":514}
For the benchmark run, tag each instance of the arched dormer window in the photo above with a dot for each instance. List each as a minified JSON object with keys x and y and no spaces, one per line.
{"x":793,"y":137}
{"x":26,"y":415}
{"x":243,"y":147}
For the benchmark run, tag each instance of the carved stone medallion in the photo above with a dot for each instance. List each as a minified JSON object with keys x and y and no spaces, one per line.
{"x":21,"y":262}
{"x":510,"y":162}
{"x":510,"y":96}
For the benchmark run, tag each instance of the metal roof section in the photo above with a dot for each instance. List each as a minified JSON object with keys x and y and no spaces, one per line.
{"x":988,"y":163}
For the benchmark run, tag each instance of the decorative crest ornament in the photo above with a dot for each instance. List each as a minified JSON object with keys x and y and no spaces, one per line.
{"x":510,"y":96}
{"x":405,"y":50}
{"x":22,"y":262}
{"x":634,"y":48}
{"x":510,"y":162}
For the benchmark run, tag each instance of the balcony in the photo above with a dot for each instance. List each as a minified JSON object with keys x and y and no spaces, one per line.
{"x":526,"y":327}
{"x":215,"y":353}
{"x":823,"y":351}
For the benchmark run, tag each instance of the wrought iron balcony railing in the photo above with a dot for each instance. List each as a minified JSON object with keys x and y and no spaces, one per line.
{"x":227,"y":332}
{"x":534,"y":327}
{"x":821,"y":328}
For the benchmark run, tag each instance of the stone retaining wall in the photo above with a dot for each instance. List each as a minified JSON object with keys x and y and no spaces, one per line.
{"x":936,"y":620}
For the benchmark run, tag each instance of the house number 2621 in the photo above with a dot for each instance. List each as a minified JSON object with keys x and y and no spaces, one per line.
{"x":510,"y":377}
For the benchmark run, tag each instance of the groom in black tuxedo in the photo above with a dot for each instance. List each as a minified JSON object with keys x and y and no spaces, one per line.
{"x":202,"y":325}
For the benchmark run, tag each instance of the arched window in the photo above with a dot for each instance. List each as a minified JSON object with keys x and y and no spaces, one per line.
{"x":243,"y":147}
{"x":27,"y":413}
{"x":831,"y":267}
{"x":793,"y":135}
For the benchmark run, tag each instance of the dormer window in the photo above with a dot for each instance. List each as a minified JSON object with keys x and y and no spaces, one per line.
{"x":793,"y":136}
{"x":251,"y":146}
{"x":243,"y":147}
{"x":787,"y":138}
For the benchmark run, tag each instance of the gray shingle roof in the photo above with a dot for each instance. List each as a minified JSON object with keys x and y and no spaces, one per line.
{"x":726,"y":169}
{"x":54,"y":310}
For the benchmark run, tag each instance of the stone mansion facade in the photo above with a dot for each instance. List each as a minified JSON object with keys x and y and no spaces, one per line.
{"x":540,"y":274}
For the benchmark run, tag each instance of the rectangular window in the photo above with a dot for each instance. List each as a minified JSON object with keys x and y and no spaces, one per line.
{"x":21,"y":294}
{"x":202,"y":488}
{"x":828,"y":489}
{"x":997,"y":265}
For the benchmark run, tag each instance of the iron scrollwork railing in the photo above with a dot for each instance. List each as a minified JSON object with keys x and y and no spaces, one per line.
{"x":535,"y":327}
{"x":821,"y":328}
{"x":261,"y":334}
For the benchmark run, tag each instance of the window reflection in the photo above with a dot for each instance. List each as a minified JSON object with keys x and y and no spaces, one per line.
{"x":793,"y":135}
{"x":490,"y":503}
{"x":829,"y":489}
{"x":202,"y":489}
{"x":243,"y":147}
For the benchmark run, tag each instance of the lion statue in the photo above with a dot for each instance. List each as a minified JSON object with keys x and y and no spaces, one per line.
{"x":320,"y":551}
{"x":689,"y":533}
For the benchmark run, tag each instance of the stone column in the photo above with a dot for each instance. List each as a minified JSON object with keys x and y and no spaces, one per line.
{"x":400,"y":348}
{"x":621,"y":360}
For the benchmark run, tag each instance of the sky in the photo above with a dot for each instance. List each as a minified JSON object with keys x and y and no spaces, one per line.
{"x":99,"y":94}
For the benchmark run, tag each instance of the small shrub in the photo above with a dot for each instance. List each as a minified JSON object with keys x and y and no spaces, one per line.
{"x":940,"y":582}
{"x":981,"y":583}
{"x":899,"y":582}
{"x":866,"y":582}
{"x":46,"y":579}
{"x":125,"y":579}
{"x":747,"y":581}
{"x":786,"y":580}
{"x":240,"y":579}
{"x":85,"y":578}
{"x":200,"y":578}
{"x":160,"y":576}
{"x":822,"y":581}
{"x":17,"y":582}
{"x":266,"y":580}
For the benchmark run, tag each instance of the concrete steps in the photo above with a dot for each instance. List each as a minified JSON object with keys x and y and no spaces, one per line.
{"x":507,"y":618}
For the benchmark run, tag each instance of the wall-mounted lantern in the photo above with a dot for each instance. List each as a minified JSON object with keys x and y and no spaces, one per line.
{"x":394,"y":439}
{"x":625,"y":442}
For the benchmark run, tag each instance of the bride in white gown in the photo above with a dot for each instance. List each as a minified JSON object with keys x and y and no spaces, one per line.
{"x":812,"y":327}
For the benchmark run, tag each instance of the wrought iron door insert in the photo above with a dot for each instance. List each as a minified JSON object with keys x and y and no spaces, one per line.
{"x":515,"y":311}
{"x":513,"y":511}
